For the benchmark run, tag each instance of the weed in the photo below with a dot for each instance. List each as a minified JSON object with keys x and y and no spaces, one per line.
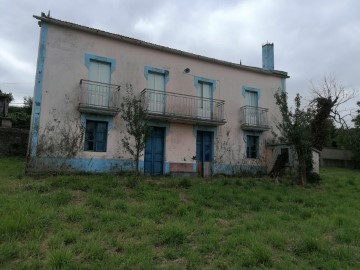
{"x":61,"y":198}
{"x":74,"y":215}
{"x":173,"y":235}
{"x":61,"y":259}
{"x":95,"y":201}
{"x":307,"y":246}
{"x":69,"y":237}
{"x":132,"y":182}
{"x":258,"y":255}
{"x":185,"y":182}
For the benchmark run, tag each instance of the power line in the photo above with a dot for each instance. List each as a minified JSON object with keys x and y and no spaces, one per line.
{"x":15,"y":82}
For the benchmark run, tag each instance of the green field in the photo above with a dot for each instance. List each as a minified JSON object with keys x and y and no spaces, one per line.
{"x":101,"y":222}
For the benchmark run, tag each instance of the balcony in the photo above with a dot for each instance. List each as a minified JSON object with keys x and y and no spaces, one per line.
{"x":99,"y":98}
{"x":254,"y":118}
{"x":183,"y":108}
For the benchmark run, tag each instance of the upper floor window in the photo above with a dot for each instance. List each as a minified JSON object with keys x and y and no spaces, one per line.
{"x":99,"y":71}
{"x":251,"y":98}
{"x":205,"y":88}
{"x":156,"y":82}
{"x":99,"y":92}
{"x":251,"y":110}
{"x":205,"y":102}
{"x":99,"y":75}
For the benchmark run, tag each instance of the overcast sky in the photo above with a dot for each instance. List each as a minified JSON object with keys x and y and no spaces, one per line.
{"x":311,"y":38}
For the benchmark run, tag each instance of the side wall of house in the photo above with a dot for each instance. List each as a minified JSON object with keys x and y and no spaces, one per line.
{"x":57,"y":136}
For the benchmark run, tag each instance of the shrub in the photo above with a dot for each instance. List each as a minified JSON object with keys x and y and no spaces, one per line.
{"x":132,"y":182}
{"x":185,"y":183}
{"x":313,"y":178}
{"x":173,"y":235}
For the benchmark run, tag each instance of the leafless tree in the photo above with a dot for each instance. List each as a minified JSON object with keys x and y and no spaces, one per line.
{"x":329,"y":95}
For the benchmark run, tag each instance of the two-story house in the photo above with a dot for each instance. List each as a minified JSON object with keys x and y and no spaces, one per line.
{"x":208,"y":116}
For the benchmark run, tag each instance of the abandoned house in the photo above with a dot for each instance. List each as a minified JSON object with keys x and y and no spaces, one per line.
{"x":208,"y":116}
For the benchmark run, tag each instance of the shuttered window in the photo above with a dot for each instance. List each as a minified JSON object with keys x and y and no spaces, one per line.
{"x":99,"y":72}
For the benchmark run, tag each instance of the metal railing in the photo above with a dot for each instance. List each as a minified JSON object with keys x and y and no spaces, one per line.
{"x":254,"y":117}
{"x":183,"y":107}
{"x":97,"y":95}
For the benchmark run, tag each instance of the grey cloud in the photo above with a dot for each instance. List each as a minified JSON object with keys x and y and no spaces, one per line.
{"x":312,"y":38}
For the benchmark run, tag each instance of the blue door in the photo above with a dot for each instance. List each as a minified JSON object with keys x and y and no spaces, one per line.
{"x":204,"y":153}
{"x":154,"y":152}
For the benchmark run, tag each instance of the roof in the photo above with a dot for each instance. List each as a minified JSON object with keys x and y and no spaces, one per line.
{"x":50,"y":20}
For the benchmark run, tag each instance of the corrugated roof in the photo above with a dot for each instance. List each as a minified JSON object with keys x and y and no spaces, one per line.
{"x":138,"y":42}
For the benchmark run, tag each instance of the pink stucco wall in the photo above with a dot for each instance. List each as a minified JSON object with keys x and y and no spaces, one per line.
{"x":64,"y":67}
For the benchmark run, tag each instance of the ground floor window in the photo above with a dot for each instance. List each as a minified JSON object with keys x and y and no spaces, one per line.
{"x":96,"y":136}
{"x":252,"y":146}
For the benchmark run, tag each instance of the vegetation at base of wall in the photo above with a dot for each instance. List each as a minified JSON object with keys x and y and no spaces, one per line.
{"x":21,"y":116}
{"x":97,"y":222}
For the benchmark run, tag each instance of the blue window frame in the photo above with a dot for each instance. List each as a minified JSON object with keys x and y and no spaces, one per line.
{"x":95,"y":58}
{"x":252,"y":146}
{"x":159,"y":71}
{"x":200,"y":81}
{"x":96,"y":136}
{"x":251,"y":95}
{"x":205,"y":88}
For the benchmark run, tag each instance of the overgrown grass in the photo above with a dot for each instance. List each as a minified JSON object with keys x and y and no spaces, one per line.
{"x":102,"y":222}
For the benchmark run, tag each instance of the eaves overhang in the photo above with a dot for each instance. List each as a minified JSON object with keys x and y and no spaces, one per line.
{"x":50,"y":20}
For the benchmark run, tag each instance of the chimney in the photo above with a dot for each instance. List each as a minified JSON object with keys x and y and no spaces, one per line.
{"x":268,"y":56}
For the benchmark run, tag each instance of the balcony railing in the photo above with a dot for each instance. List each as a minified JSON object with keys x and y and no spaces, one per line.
{"x":183,"y":108}
{"x":99,"y":98}
{"x":254,"y":118}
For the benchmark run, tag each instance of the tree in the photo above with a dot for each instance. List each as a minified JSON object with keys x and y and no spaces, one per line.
{"x":21,"y":116}
{"x":9,"y":96}
{"x":133,"y":113}
{"x":355,"y":138}
{"x":327,"y":98}
{"x":295,"y":130}
{"x":356,"y":119}
{"x":350,"y":138}
{"x":5,"y":99}
{"x":314,"y":127}
{"x":28,"y":103}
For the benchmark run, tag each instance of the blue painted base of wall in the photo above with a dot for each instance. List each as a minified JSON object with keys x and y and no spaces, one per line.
{"x":90,"y":165}
{"x":230,"y":169}
{"x":97,"y":165}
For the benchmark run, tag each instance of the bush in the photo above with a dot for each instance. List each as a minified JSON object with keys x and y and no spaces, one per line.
{"x":313,"y":178}
{"x":173,"y":235}
{"x":185,"y":183}
{"x":132,"y":182}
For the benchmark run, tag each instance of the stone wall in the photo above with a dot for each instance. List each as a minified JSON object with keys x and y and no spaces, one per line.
{"x":334,"y":157}
{"x":13,"y":141}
